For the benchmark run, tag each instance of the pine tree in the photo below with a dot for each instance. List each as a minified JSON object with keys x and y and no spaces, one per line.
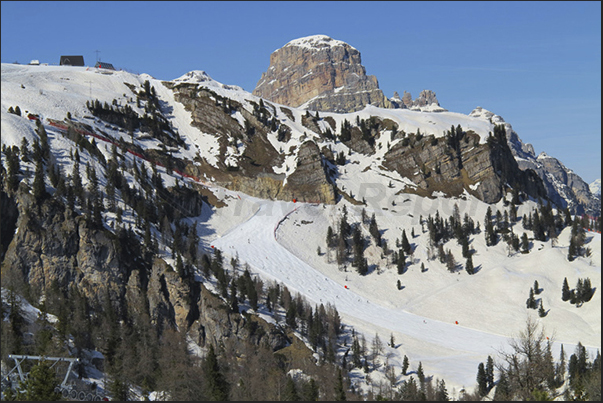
{"x":490,"y":373}
{"x":290,"y":316}
{"x":465,"y":246}
{"x":234,"y":301}
{"x":290,"y":392}
{"x":560,"y":369}
{"x":525,"y":243}
{"x":358,"y":246}
{"x":469,"y":265}
{"x":374,"y":230}
{"x":491,"y":237}
{"x":401,"y":263}
{"x":565,"y":290}
{"x":76,"y":179}
{"x":330,"y":242}
{"x":482,"y":381}
{"x":405,"y":243}
{"x":441,"y":392}
{"x":536,"y":287}
{"x":40,"y":384}
{"x":420,"y":373}
{"x":541,"y":311}
{"x":405,"y":365}
{"x":39,"y":186}
{"x":12,"y":168}
{"x":310,"y":391}
{"x":24,"y":149}
{"x":339,"y":390}
{"x":450,"y":262}
{"x":362,"y":267}
{"x":216,"y":385}
{"x":531,"y":302}
{"x":572,"y":250}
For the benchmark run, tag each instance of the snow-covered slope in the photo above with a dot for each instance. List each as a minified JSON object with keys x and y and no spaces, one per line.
{"x":279,"y":240}
{"x":595,"y":187}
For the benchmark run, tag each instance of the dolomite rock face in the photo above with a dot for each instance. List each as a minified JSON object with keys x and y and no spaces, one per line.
{"x":319,"y":73}
{"x":426,"y":101}
{"x":563,"y":186}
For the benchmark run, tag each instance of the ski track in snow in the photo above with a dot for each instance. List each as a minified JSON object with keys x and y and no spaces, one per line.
{"x":256,"y":243}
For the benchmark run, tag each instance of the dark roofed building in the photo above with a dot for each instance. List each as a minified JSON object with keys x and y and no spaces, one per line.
{"x":72,"y":61}
{"x":104,"y":65}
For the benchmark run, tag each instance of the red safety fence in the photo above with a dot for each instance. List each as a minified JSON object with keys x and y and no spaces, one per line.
{"x":64,"y":127}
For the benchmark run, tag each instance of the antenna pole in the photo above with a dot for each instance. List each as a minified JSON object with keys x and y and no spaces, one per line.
{"x":97,"y":52}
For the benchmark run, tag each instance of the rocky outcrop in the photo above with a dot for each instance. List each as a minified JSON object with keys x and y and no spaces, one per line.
{"x":309,"y":182}
{"x":319,"y":73}
{"x":54,"y":245}
{"x":254,"y":173}
{"x":9,"y":214}
{"x":217,"y":324}
{"x":426,"y":101}
{"x":563,"y":187}
{"x":453,"y":165}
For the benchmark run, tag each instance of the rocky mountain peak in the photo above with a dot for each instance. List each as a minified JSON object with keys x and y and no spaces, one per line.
{"x":319,"y":73}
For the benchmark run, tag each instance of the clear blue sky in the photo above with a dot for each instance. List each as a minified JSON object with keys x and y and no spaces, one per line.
{"x":537,"y":64}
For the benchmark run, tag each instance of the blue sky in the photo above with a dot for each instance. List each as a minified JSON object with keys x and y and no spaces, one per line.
{"x":537,"y":64}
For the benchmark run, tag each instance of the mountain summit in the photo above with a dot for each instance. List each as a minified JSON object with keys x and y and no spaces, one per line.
{"x":319,"y":73}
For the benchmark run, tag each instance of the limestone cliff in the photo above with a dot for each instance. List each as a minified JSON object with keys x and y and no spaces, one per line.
{"x":254,"y":173}
{"x":455,"y":164}
{"x":563,"y":186}
{"x":319,"y":73}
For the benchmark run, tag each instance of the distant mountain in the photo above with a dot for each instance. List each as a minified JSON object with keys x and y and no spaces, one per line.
{"x":595,"y":187}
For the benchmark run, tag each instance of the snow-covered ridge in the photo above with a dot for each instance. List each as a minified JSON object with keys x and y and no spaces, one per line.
{"x":317,"y":42}
{"x":201,"y":77}
{"x":194,"y":76}
{"x":480,"y":112}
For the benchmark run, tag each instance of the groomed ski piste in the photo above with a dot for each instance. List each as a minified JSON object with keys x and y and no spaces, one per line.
{"x":261,"y":235}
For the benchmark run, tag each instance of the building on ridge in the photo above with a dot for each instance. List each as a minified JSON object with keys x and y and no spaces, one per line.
{"x":72,"y":61}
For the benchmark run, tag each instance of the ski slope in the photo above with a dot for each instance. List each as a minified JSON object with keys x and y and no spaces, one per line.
{"x":447,"y":350}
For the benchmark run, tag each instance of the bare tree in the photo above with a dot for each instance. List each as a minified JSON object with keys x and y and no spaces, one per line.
{"x":527,"y":367}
